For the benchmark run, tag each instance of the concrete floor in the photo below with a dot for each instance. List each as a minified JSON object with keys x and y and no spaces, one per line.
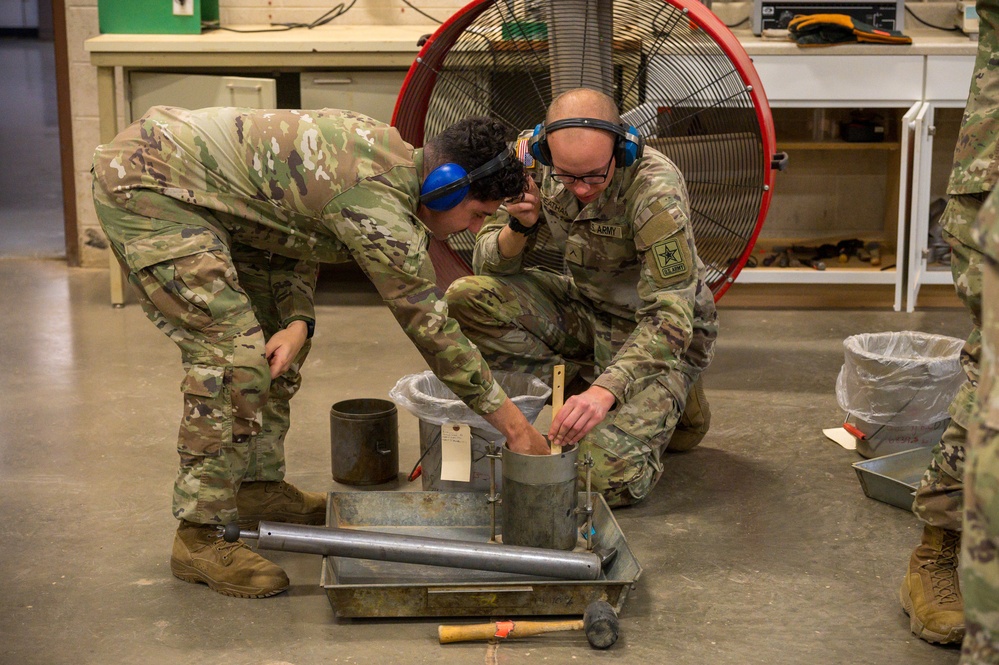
{"x":758,"y":547}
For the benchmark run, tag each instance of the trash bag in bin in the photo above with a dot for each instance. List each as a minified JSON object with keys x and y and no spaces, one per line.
{"x":899,"y":378}
{"x":427,"y":398}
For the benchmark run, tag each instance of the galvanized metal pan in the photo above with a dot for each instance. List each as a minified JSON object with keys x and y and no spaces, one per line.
{"x":365,"y":588}
{"x":894,"y":478}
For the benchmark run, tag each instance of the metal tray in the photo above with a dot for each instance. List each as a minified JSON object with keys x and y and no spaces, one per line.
{"x":894,"y":478}
{"x":367,"y":588}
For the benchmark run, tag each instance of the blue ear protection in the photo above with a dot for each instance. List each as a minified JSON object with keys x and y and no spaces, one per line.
{"x":447,"y":185}
{"x":628,"y":143}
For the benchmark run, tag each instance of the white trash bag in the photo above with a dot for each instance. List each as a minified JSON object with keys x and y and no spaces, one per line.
{"x":899,"y":378}
{"x":427,"y":398}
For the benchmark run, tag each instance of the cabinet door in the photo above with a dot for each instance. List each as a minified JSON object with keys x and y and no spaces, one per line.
{"x":905,"y":188}
{"x":922,"y":192}
{"x":372,"y":93}
{"x":196,"y":91}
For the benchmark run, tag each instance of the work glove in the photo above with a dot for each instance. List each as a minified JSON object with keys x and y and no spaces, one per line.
{"x":827,"y":29}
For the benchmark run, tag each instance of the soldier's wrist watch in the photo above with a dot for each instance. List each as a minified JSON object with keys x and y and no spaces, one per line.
{"x":517,"y":227}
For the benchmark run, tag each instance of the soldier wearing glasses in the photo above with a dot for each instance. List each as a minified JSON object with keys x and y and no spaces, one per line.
{"x":632,"y":302}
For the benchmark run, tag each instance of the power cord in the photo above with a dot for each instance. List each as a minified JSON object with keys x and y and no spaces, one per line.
{"x":930,"y":25}
{"x":336,"y":12}
{"x":420,"y":11}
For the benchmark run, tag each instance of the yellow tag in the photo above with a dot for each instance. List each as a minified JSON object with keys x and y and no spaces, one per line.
{"x":456,"y":452}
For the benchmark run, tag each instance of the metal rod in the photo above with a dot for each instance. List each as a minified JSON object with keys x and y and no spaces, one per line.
{"x":350,"y":543}
{"x":493,"y":498}
{"x":589,"y":503}
{"x":588,"y":508}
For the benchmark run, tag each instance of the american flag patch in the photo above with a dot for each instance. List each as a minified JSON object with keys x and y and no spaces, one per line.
{"x":523,"y":152}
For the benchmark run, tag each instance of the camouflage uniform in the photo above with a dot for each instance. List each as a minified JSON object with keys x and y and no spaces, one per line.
{"x":220,"y":217}
{"x":980,"y":540}
{"x":938,"y":499}
{"x":634,"y":304}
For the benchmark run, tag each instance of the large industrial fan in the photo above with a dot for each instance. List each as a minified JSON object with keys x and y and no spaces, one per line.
{"x":676,"y":72}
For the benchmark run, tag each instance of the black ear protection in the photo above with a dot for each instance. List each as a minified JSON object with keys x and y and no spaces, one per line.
{"x":447,"y":185}
{"x":628,"y":143}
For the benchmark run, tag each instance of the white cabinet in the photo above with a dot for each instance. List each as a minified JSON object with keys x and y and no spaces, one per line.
{"x":195,"y":91}
{"x":817,"y":80}
{"x":836,"y":190}
{"x":371,"y":92}
{"x":935,"y":128}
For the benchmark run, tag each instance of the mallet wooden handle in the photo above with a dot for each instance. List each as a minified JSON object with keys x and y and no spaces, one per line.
{"x":502,"y":630}
{"x":558,"y":391}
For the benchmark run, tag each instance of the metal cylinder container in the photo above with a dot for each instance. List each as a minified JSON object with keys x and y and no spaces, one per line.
{"x":364,"y":441}
{"x":539,"y":499}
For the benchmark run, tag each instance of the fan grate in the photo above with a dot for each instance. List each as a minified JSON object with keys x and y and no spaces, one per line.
{"x":677,"y":74}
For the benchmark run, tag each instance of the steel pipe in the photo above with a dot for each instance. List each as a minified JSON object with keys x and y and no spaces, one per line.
{"x":355,"y":544}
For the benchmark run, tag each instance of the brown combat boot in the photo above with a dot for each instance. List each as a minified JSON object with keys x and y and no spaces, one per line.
{"x":201,"y":555}
{"x":931,"y":591}
{"x":278,"y":501}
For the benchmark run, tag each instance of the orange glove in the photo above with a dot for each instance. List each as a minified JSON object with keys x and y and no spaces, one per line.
{"x":827,"y":29}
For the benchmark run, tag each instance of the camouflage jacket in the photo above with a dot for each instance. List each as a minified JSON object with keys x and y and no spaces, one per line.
{"x":631,"y":254}
{"x":976,"y":162}
{"x":986,"y":228}
{"x":316,"y":186}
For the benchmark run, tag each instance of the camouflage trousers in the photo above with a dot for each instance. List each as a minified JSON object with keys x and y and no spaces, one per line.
{"x":939,"y":497}
{"x":980,"y":540}
{"x":531,"y":322}
{"x":212,"y":298}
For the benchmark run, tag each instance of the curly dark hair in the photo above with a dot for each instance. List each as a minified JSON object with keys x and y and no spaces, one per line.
{"x":472,"y":142}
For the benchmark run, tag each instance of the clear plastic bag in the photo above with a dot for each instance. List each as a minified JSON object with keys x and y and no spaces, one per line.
{"x":899,"y":378}
{"x":427,"y":398}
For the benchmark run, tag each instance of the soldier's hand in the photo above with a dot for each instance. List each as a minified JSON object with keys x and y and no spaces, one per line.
{"x":580,"y":414}
{"x":284,"y":345}
{"x":527,"y":207}
{"x":521,"y":437}
{"x":532,"y":443}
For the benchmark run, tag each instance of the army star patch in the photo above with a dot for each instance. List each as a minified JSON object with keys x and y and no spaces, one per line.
{"x":669,"y":257}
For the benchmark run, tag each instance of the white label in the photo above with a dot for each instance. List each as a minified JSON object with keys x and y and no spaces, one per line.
{"x":456,"y":452}
{"x":183,"y":7}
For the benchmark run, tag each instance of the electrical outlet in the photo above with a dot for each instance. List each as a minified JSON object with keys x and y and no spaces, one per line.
{"x":183,"y":7}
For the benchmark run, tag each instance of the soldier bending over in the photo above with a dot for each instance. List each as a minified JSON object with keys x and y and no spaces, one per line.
{"x":220,"y":217}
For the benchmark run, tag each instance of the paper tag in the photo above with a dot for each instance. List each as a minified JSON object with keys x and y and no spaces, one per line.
{"x":842,"y":437}
{"x":456,"y":452}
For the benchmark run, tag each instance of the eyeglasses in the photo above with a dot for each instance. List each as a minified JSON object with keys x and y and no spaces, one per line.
{"x":589,"y":179}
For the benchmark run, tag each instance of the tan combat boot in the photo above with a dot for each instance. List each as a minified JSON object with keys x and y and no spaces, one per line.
{"x":201,"y":555}
{"x":278,"y":501}
{"x":931,"y":591}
